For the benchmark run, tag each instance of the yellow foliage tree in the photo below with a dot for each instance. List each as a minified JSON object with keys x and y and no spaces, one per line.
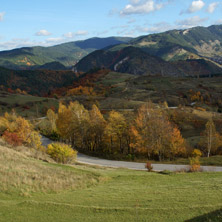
{"x":73,"y":123}
{"x":211,"y":140}
{"x":116,"y":129}
{"x":154,"y":134}
{"x":96,"y":131}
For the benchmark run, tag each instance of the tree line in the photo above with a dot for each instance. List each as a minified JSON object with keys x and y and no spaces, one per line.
{"x":148,"y":132}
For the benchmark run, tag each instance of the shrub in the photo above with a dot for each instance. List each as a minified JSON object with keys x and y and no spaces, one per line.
{"x":194,"y":164}
{"x":149,"y":166}
{"x":195,"y":161}
{"x":12,"y":138}
{"x":62,"y":153}
{"x":35,"y":140}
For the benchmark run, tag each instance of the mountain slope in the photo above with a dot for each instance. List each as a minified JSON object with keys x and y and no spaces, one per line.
{"x":67,"y":54}
{"x":135,"y":61}
{"x":182,"y":44}
{"x":128,"y":60}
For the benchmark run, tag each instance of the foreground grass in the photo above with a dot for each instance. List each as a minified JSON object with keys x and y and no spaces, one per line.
{"x":125,"y":196}
{"x":23,"y":175}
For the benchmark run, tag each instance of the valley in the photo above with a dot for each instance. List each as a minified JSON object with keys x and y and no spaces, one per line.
{"x":133,"y":124}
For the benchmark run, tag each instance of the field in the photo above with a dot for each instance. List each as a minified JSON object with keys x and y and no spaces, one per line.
{"x":26,"y":105}
{"x":103,"y":194}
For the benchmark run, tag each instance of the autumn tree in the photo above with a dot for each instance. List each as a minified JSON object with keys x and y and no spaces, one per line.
{"x":16,"y":128}
{"x":51,"y":120}
{"x":211,"y":140}
{"x":154,"y":134}
{"x":115,"y":130}
{"x":141,"y":130}
{"x":177,"y":143}
{"x":48,"y":125}
{"x":96,"y":130}
{"x":73,"y":123}
{"x":63,"y":121}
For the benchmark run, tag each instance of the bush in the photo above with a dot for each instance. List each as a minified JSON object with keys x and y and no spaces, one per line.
{"x":195,"y":161}
{"x":194,"y":164}
{"x":196,"y":153}
{"x":35,"y":140}
{"x":149,"y":166}
{"x":61,"y":153}
{"x":12,"y":138}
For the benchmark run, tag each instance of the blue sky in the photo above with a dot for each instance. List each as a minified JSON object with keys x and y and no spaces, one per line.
{"x":51,"y":22}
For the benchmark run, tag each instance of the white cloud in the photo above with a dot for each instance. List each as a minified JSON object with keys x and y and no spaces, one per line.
{"x":43,"y":32}
{"x":2,"y":16}
{"x":69,"y":35}
{"x":218,"y":22}
{"x":191,"y":22}
{"x":55,"y":40}
{"x":81,"y":32}
{"x":194,"y":7}
{"x":18,"y":43}
{"x":211,"y":8}
{"x":156,"y":28}
{"x":141,"y":7}
{"x":134,"y":1}
{"x":75,"y":34}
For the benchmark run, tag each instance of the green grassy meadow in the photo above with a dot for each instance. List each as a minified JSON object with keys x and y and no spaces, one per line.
{"x":104,"y":194}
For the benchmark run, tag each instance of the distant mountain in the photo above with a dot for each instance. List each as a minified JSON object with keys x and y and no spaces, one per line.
{"x":183,"y":44}
{"x":68,"y":54}
{"x":135,"y":61}
{"x":175,"y":45}
{"x":196,"y":51}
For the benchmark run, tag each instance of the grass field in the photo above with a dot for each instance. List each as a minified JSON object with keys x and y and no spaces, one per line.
{"x":26,"y":105}
{"x":102,"y":194}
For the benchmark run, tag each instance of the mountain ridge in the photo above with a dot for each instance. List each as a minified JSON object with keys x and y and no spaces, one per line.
{"x":67,"y":53}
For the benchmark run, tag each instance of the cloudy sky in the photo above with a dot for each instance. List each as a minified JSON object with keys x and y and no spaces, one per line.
{"x":50,"y":22}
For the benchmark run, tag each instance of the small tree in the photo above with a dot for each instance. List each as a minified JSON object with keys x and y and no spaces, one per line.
{"x":195,"y":161}
{"x":211,"y":140}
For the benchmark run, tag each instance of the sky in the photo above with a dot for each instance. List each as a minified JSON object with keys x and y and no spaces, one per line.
{"x":51,"y":22}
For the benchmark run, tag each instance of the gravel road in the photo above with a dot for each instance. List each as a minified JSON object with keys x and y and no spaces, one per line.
{"x":81,"y":158}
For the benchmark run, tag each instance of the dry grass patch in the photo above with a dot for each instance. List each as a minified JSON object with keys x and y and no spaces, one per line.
{"x":21,"y":174}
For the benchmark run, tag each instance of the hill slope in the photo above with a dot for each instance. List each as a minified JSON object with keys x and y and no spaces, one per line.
{"x":124,"y":196}
{"x":37,"y":82}
{"x":30,"y":175}
{"x":182,"y":44}
{"x":128,"y":60}
{"x":136,"y":61}
{"x":67,"y":54}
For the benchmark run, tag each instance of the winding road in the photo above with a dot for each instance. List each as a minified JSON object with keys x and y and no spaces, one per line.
{"x":81,"y":158}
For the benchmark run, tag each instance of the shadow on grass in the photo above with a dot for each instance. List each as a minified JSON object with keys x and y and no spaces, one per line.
{"x":215,"y":216}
